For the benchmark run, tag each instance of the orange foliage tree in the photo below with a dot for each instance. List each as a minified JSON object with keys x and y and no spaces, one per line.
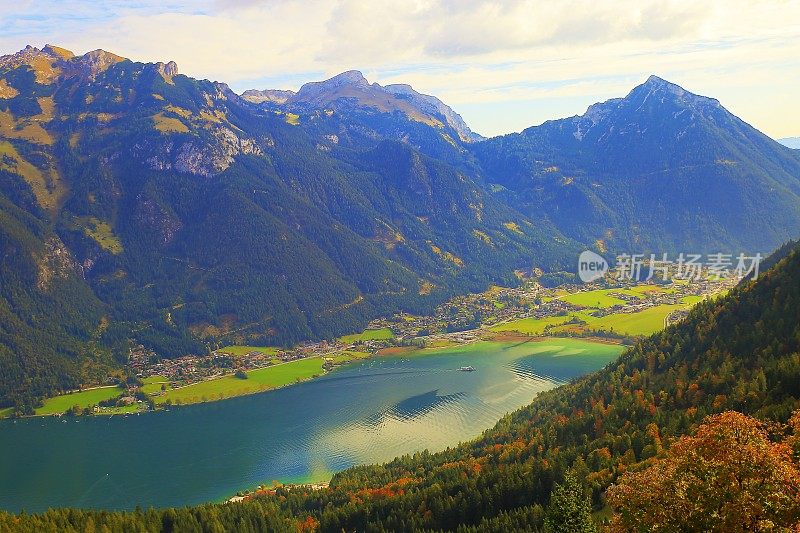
{"x":728,"y":476}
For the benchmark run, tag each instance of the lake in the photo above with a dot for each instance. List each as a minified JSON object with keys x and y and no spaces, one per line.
{"x":366,"y":412}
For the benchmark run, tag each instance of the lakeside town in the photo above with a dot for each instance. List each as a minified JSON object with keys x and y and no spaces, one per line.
{"x":609,"y":310}
{"x":463,"y":319}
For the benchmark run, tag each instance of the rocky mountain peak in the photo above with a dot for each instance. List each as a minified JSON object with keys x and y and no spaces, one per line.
{"x":433,"y":106}
{"x":645,"y":106}
{"x":52,"y":62}
{"x":351,"y":88}
{"x":316,"y":90}
{"x":97,"y":61}
{"x":167,"y":70}
{"x":654,"y":80}
{"x":26,"y":56}
{"x":350,"y":77}
{"x":665,"y":91}
{"x":654,"y":84}
{"x":57,"y":51}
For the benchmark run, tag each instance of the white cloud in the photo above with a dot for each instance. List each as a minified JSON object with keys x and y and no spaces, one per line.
{"x":519,"y":56}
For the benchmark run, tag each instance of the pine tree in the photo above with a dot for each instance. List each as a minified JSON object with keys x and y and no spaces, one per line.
{"x":569,"y":510}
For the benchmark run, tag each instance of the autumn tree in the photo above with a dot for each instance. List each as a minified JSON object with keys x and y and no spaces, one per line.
{"x":728,"y":476}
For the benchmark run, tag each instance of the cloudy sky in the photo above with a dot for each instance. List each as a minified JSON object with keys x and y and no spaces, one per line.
{"x":503,"y":65}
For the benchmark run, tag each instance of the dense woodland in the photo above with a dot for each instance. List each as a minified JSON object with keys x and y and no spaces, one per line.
{"x":737,"y":354}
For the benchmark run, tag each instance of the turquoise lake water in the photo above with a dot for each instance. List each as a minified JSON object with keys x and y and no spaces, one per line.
{"x":366,"y":412}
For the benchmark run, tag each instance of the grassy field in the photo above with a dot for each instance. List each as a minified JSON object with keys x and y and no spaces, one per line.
{"x":642,"y":323}
{"x":531,"y":326}
{"x":348,"y":355}
{"x":648,"y":289}
{"x":600,"y":298}
{"x":87,"y":398}
{"x":153,"y":384}
{"x":257,"y":380}
{"x":101,"y":232}
{"x":631,"y":324}
{"x":122,"y":410}
{"x":368,"y":335}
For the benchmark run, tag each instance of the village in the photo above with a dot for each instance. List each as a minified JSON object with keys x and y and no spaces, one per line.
{"x":460,"y":320}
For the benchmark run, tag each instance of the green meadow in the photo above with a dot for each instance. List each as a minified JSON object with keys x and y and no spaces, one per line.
{"x":348,"y":355}
{"x":600,"y":298}
{"x":643,"y":322}
{"x":59,"y":404}
{"x":640,"y":323}
{"x":121,"y":410}
{"x":603,"y":298}
{"x":153,"y":384}
{"x":531,"y":326}
{"x":258,"y":380}
{"x":102,"y":233}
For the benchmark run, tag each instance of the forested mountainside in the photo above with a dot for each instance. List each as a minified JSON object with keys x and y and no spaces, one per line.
{"x":142,"y":206}
{"x":148,"y":207}
{"x":660,"y":169}
{"x":740,"y":352}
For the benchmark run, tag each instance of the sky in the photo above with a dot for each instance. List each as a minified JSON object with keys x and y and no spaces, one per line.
{"x":503,"y":66}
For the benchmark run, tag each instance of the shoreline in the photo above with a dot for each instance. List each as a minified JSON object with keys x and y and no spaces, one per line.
{"x":392,"y":351}
{"x":261,"y":490}
{"x":628,"y":316}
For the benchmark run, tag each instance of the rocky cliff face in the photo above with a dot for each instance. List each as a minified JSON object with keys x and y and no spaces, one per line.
{"x":351,"y":89}
{"x":206,"y":157}
{"x":434,"y":106}
{"x":51,"y":62}
{"x":275,"y":96}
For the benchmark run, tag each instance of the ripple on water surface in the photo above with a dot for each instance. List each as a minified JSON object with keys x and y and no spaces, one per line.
{"x":370,"y":411}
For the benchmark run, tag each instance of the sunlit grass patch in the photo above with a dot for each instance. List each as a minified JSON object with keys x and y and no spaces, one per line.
{"x":166,"y":124}
{"x":530,"y":326}
{"x":102,"y":233}
{"x":59,"y":404}
{"x":258,"y":380}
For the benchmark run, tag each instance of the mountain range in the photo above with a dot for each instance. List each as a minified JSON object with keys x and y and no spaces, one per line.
{"x":660,"y":169}
{"x":142,"y":206}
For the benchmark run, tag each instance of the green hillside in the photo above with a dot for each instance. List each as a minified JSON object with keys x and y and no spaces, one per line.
{"x":740,"y":352}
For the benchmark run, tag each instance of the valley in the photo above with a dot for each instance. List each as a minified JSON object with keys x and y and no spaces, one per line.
{"x":185,"y":216}
{"x":343,"y":305}
{"x":616,"y":315}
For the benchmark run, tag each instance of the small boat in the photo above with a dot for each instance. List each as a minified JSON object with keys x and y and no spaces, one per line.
{"x":466,"y":369}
